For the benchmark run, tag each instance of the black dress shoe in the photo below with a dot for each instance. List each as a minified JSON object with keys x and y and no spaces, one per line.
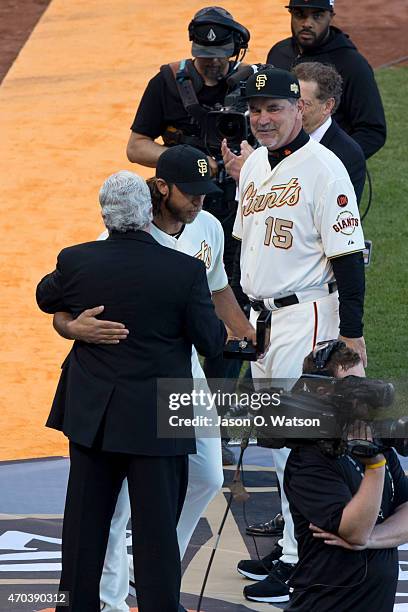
{"x":271,"y":528}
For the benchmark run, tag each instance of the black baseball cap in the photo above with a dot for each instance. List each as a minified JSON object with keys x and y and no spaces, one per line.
{"x":188,"y":169}
{"x":324,"y":5}
{"x":272,"y":83}
{"x":210,"y":36}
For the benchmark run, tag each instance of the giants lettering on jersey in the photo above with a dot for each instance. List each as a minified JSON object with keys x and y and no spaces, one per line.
{"x":279,"y":195}
{"x":346,"y":223}
{"x":204,"y":254}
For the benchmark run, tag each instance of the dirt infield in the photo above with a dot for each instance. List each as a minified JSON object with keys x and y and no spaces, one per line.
{"x":376,"y":27}
{"x":17,"y":20}
{"x":65,"y":109}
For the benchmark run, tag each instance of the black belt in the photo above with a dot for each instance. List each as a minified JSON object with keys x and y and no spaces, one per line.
{"x":288,"y":300}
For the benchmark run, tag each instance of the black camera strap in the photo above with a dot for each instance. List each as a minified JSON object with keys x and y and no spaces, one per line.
{"x":181,"y":74}
{"x":188,"y":82}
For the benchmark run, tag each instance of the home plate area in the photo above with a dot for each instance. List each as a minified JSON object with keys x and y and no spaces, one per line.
{"x":31,"y":508}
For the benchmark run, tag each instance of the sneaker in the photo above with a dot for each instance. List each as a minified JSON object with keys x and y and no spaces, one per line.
{"x":228,"y":457}
{"x":274,"y":588}
{"x":273,"y":527}
{"x":260,"y":568}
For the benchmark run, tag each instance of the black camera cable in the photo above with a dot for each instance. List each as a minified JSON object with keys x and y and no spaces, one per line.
{"x":238,"y":493}
{"x":370,"y":196}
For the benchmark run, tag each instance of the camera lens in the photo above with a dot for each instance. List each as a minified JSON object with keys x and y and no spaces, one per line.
{"x":229,"y":126}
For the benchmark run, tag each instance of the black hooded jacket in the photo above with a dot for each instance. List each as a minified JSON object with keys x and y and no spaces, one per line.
{"x":360,"y":112}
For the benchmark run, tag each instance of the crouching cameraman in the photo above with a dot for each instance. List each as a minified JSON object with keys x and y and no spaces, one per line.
{"x":350,"y":511}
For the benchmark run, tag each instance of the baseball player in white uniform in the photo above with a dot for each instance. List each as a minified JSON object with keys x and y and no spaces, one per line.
{"x":301,"y":243}
{"x":179,"y":223}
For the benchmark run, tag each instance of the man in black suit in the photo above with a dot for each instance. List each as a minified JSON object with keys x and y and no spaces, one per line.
{"x":106,"y":400}
{"x":315,"y":39}
{"x":321,"y":87}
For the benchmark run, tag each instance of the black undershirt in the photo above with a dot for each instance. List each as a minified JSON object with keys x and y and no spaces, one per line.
{"x":349,"y":273}
{"x":348,"y":269}
{"x":275,"y":157}
{"x":176,"y":235}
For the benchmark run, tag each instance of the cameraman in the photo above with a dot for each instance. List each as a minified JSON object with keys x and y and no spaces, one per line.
{"x":175,"y":105}
{"x":350,"y":515}
{"x":176,"y":102}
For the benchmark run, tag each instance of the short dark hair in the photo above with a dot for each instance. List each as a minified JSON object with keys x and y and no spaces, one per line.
{"x":344,"y":357}
{"x":329,"y":82}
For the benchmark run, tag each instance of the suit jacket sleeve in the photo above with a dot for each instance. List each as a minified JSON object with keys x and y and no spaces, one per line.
{"x":366,"y":112}
{"x":50,"y":292}
{"x":357,"y":174}
{"x":203,"y":327}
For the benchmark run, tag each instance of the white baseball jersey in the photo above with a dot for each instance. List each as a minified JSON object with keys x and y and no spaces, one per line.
{"x":203,"y":239}
{"x":293,"y":219}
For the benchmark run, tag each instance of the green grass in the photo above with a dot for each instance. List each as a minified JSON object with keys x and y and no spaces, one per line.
{"x":386,"y":305}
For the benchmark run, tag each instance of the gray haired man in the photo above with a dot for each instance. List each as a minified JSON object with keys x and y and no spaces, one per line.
{"x":106,"y":398}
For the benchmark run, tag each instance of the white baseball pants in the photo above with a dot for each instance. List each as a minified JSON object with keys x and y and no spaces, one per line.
{"x":294,"y":332}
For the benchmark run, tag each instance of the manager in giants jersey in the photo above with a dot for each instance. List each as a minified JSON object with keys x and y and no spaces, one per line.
{"x":301,"y":253}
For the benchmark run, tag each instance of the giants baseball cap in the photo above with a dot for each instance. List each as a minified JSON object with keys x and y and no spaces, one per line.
{"x":188,"y":169}
{"x":272,"y":83}
{"x":324,"y":5}
{"x":209,"y":32}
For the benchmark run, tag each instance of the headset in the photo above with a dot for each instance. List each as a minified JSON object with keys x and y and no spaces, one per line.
{"x":324,"y":350}
{"x":240,"y":35}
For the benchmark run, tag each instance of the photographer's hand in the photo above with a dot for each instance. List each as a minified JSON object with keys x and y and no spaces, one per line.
{"x":358,"y":345}
{"x":232,"y":162}
{"x":88,"y":328}
{"x":213,"y":166}
{"x":333,"y":540}
{"x":393,"y":531}
{"x":246,"y":150}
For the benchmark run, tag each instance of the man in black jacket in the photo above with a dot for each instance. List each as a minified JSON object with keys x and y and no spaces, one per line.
{"x":320,"y":88}
{"x":106,"y":400}
{"x":313,"y":39}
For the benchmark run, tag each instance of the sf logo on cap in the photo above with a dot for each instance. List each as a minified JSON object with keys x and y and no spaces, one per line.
{"x":260,"y":81}
{"x":295,"y":88}
{"x":202,"y":166}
